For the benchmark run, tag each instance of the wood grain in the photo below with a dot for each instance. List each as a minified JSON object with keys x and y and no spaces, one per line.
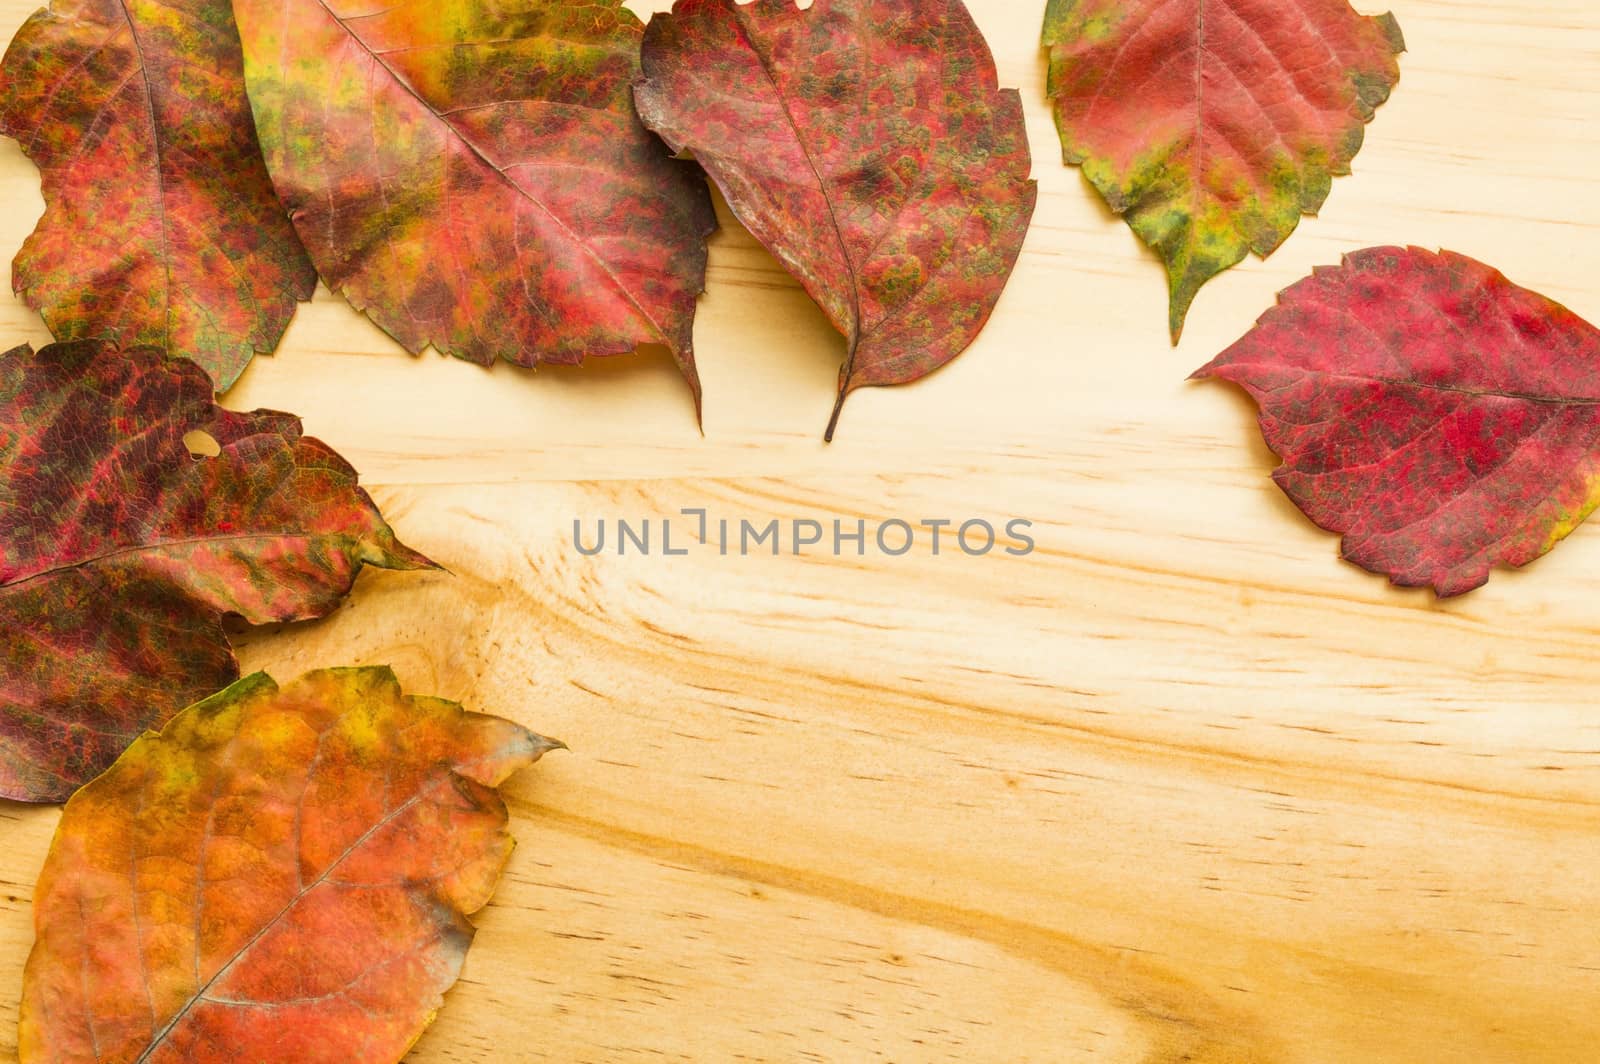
{"x":1180,"y":786}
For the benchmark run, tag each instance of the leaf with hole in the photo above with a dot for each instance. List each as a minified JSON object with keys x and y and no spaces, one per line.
{"x":121,"y":552}
{"x":281,"y":876}
{"x":161,"y":226}
{"x":866,"y":144}
{"x":1211,"y":126}
{"x":472,"y":175}
{"x":1443,"y":419}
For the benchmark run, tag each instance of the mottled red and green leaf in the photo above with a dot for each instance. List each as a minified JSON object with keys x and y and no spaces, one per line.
{"x":867,"y":145}
{"x":1443,"y":419}
{"x":1211,"y":126}
{"x":472,"y":175}
{"x":281,"y":875}
{"x":121,"y":553}
{"x":161,"y":227}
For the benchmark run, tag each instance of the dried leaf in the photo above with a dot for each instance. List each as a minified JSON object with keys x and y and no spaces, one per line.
{"x":160,"y":226}
{"x":867,"y":144}
{"x":1211,"y":126}
{"x":279,"y":876}
{"x":120,"y":553}
{"x":472,"y":175}
{"x":1442,"y":418}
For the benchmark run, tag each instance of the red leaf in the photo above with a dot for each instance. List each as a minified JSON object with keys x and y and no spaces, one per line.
{"x":160,"y":226}
{"x":472,"y":176}
{"x":1212,"y":125}
{"x":120,"y":553}
{"x":1442,"y":418}
{"x":866,"y":143}
{"x":279,"y":876}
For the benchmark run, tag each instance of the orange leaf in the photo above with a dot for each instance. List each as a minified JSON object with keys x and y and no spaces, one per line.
{"x":279,"y":875}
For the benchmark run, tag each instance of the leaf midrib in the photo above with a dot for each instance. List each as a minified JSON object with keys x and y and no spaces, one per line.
{"x":300,"y":895}
{"x":139,"y":548}
{"x":767,"y":68}
{"x":1458,"y":389}
{"x":161,"y":175}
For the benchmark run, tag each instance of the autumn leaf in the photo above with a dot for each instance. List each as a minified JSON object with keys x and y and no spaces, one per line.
{"x":281,"y":875}
{"x":867,"y":145}
{"x":1211,"y":126}
{"x":1440,"y":417}
{"x":120,"y":552}
{"x":161,"y":226}
{"x":471,"y":174}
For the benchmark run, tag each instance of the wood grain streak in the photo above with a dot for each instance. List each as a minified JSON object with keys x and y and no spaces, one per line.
{"x":1178,"y":787}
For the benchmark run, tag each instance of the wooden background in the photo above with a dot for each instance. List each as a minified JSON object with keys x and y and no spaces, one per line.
{"x":1181,"y":786}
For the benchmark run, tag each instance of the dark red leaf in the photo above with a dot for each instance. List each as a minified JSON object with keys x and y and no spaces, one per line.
{"x":1442,"y":418}
{"x":160,"y":224}
{"x":471,"y":174}
{"x":867,"y":144}
{"x":120,"y":552}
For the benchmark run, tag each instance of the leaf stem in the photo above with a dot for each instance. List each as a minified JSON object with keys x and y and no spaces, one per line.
{"x":833,"y":422}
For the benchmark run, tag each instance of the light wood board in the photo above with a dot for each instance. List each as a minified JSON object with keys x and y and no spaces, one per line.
{"x":1180,"y":786}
